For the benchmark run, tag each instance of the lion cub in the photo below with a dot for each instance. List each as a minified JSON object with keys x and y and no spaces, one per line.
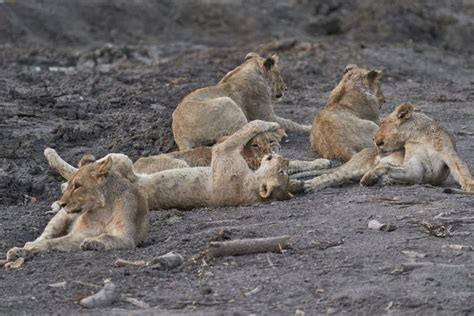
{"x":244,"y":94}
{"x":349,"y":120}
{"x":229,"y":181}
{"x":101,"y":210}
{"x":253,"y":152}
{"x":411,"y":148}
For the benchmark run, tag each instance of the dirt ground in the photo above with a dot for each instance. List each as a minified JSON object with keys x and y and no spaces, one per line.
{"x":99,"y":76}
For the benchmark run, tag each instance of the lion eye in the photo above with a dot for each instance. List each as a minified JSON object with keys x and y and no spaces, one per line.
{"x":77,"y":186}
{"x":254,"y":145}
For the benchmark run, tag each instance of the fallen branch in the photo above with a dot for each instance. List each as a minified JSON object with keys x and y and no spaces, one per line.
{"x":455,"y":219}
{"x":127,"y":263}
{"x":458,"y":247}
{"x":135,"y":302}
{"x":247,"y":246}
{"x":415,"y":265}
{"x":167,"y":261}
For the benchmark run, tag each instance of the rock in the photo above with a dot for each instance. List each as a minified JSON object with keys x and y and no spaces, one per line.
{"x":376,"y":225}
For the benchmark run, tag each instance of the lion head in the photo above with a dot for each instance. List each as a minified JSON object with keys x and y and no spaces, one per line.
{"x":274,"y":177}
{"x":393,"y":131}
{"x":84,"y":190}
{"x":367,"y":82}
{"x":261,"y":145}
{"x":267,"y":67}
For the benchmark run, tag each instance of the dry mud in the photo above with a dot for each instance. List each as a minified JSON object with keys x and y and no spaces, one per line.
{"x":63,"y":86}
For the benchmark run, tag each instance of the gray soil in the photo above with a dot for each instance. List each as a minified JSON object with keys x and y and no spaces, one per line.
{"x":62,"y":86}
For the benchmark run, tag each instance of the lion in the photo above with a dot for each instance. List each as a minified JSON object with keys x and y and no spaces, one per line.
{"x":350,"y":118}
{"x":228,"y":181}
{"x":244,"y":94}
{"x":101,"y":210}
{"x":253,"y":152}
{"x":411,"y":148}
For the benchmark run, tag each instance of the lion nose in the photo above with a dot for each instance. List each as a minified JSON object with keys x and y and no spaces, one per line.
{"x":379,"y":143}
{"x":61,"y":203}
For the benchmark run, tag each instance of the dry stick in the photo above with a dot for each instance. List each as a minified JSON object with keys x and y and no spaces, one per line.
{"x":415,"y":265}
{"x":455,"y":219}
{"x":247,"y":246}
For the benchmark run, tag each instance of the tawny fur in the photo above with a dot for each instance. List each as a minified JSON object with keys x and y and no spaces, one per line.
{"x":349,"y":120}
{"x":101,"y":210}
{"x":244,"y":94}
{"x":253,"y":152}
{"x":411,"y":148}
{"x":228,"y":181}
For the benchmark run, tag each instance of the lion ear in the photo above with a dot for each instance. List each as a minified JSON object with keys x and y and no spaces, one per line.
{"x":405,"y":111}
{"x":251,"y":55}
{"x":103,"y":168}
{"x":374,"y":74}
{"x":86,"y":159}
{"x":269,"y":63}
{"x":349,"y":68}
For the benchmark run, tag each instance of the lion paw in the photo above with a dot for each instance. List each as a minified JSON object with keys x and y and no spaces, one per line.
{"x":468,"y":186}
{"x":92,"y":244}
{"x":16,"y":253}
{"x":369,"y":179}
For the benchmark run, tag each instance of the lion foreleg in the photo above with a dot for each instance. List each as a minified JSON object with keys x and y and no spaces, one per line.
{"x":290,"y":126}
{"x":57,"y":226}
{"x":301,"y":165}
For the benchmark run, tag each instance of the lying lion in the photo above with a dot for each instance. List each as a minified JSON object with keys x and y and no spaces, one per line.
{"x":244,"y":94}
{"x":101,"y":210}
{"x":229,"y":181}
{"x":253,"y":152}
{"x":349,"y":120}
{"x":411,"y":148}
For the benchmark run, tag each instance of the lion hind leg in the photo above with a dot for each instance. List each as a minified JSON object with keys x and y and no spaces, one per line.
{"x":58,"y":164}
{"x":460,"y":171}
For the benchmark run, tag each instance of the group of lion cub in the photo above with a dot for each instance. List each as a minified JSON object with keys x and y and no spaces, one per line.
{"x":228,"y":137}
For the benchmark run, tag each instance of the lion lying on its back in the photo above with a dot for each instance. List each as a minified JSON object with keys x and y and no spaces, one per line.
{"x":244,"y":94}
{"x":411,"y":148}
{"x":229,"y":181}
{"x":253,"y":152}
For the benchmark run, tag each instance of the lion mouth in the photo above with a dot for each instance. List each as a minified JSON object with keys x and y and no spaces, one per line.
{"x":75,"y":210}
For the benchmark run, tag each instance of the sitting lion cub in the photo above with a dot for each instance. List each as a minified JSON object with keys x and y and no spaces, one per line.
{"x":411,"y":148}
{"x":349,"y":120}
{"x":101,"y":210}
{"x":229,"y":181}
{"x":244,"y":94}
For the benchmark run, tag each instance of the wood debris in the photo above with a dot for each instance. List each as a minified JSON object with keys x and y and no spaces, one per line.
{"x":247,"y":246}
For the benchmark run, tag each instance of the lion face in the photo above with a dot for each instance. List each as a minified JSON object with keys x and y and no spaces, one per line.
{"x":368,"y":81}
{"x":391,"y":135}
{"x":261,"y":145}
{"x":272,"y":72}
{"x":83,"y":191}
{"x":274,"y":177}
